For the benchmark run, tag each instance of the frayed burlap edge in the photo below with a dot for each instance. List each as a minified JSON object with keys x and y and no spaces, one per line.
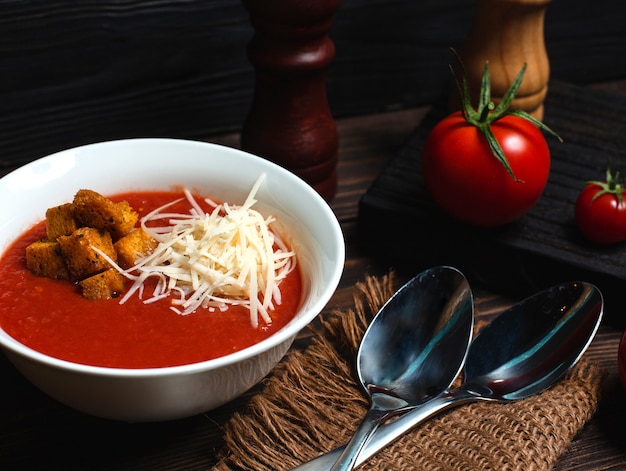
{"x":312,"y":402}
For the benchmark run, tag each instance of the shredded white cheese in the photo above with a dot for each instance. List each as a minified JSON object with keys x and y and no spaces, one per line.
{"x":211,"y":260}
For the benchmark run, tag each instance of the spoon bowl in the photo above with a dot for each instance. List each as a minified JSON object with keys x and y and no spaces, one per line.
{"x":534,"y":343}
{"x":522,"y":352}
{"x":413,"y":349}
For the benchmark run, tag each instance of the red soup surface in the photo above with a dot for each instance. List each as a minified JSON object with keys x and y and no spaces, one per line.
{"x":52,"y":317}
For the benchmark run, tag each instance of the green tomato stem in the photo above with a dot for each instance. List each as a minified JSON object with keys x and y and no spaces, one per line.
{"x":487,"y":112}
{"x":611,"y":186}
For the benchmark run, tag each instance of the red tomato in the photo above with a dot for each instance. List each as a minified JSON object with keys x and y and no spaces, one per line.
{"x":468,"y":182}
{"x":600,"y":213}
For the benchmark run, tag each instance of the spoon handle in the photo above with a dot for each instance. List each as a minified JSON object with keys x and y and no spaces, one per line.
{"x":388,"y":433}
{"x":348,"y":456}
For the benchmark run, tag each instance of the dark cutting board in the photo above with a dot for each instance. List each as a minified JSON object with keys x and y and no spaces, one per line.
{"x":398,"y":223}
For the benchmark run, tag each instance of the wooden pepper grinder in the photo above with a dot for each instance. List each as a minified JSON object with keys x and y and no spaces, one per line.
{"x":508,"y":33}
{"x":290,"y":121}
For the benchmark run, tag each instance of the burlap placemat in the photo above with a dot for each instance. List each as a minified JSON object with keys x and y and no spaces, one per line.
{"x":313,"y":402}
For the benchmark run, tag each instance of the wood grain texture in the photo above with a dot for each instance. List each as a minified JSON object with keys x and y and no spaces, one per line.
{"x":38,"y":433}
{"x":79,"y":72}
{"x":508,"y":35}
{"x":542,"y":248}
{"x":290,"y":122}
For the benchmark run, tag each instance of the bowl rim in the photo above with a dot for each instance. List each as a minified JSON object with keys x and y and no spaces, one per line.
{"x":285,"y":334}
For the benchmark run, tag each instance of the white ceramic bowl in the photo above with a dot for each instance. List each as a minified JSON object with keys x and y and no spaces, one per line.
{"x":149,"y":164}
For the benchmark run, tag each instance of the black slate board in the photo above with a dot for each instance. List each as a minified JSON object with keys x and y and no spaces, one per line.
{"x":400,"y":224}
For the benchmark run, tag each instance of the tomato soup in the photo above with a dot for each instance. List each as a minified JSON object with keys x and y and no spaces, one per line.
{"x":52,"y":317}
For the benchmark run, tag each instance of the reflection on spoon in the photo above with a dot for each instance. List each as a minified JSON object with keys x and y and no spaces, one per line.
{"x":522,"y":352}
{"x":413,"y":349}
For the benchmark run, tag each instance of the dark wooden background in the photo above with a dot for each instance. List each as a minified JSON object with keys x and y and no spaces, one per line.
{"x":78,"y":72}
{"x":74,"y":72}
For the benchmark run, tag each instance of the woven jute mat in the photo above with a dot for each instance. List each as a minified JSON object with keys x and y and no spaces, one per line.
{"x":313,"y":402}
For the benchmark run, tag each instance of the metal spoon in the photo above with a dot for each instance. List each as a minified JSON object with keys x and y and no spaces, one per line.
{"x":522,"y":352}
{"x":413,"y":349}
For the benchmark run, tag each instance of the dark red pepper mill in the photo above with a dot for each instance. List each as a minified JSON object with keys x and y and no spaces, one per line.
{"x":289,"y":121}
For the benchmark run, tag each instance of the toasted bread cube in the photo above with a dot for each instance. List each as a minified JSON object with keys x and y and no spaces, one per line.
{"x":44,"y":258}
{"x":126,"y":220}
{"x":91,"y":209}
{"x":133,"y":247}
{"x":60,"y":221}
{"x":106,"y":285}
{"x":80,"y":257}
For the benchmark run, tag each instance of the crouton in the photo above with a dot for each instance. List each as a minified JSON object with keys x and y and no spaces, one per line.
{"x":133,"y":247}
{"x":91,"y":209}
{"x":80,"y":257}
{"x":105,"y":285}
{"x":44,"y":258}
{"x":60,"y":221}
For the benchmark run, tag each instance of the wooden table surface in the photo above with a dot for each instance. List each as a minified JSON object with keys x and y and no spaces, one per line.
{"x":38,"y":433}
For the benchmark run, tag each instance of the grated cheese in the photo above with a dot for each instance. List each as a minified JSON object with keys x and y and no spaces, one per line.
{"x":229,"y":256}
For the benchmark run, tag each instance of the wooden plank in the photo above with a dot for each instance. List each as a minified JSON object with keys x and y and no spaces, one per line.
{"x":542,"y":248}
{"x":38,"y":433}
{"x":79,"y":72}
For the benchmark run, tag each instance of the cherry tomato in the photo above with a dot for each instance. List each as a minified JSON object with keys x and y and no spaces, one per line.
{"x":467,"y":181}
{"x":600,"y":211}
